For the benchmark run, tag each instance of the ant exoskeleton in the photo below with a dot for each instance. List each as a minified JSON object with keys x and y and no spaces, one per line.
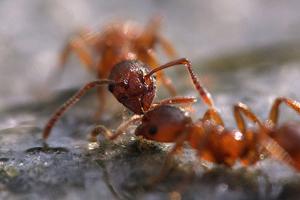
{"x":133,"y":85}
{"x":119,"y":42}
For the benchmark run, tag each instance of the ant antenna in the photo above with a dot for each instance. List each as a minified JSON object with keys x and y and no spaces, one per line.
{"x":204,"y":94}
{"x":74,"y":99}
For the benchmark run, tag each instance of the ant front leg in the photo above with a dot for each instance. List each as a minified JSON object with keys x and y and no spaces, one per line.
{"x":213,"y":114}
{"x":204,"y":94}
{"x":274,"y":113}
{"x":121,"y":129}
{"x":74,"y":99}
{"x":175,"y":100}
{"x":100,"y":130}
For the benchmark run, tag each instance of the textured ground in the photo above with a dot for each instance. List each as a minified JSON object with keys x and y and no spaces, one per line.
{"x":71,"y":169}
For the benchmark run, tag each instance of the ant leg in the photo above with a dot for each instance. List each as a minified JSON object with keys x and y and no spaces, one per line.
{"x":120,"y":130}
{"x":74,"y":99}
{"x":212,"y":114}
{"x":108,"y":134}
{"x":167,"y":47}
{"x":152,"y":35}
{"x":100,"y":130}
{"x":242,"y":108}
{"x":175,"y":100}
{"x":204,"y":94}
{"x":101,"y":103}
{"x":78,"y":45}
{"x":266,"y":141}
{"x":274,"y":113}
{"x":102,"y":98}
{"x":148,"y":37}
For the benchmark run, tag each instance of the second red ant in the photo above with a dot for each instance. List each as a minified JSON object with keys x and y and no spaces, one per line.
{"x":213,"y":141}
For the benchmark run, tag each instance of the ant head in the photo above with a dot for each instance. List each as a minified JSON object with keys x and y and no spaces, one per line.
{"x":163,"y":124}
{"x":130,"y":87}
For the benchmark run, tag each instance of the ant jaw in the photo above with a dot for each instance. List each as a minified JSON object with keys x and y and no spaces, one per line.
{"x":140,"y":131}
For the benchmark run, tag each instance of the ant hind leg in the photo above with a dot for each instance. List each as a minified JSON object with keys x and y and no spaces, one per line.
{"x":274,"y":113}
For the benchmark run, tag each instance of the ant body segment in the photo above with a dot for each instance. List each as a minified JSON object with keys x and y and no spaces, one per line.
{"x":133,"y":84}
{"x":121,"y":44}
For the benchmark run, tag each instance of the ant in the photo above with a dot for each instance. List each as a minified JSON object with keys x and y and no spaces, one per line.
{"x":133,"y":84}
{"x":119,"y":42}
{"x":215,"y":143}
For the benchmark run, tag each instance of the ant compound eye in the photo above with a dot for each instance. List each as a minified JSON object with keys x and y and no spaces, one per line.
{"x":111,"y":87}
{"x":153,"y":130}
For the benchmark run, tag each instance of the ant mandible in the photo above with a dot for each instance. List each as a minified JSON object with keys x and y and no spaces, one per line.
{"x":99,"y":52}
{"x":213,"y":142}
{"x":133,"y":85}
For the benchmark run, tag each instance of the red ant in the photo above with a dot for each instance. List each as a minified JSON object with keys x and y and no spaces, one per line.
{"x":213,"y":142}
{"x":133,"y":85}
{"x":122,"y":43}
{"x":217,"y":144}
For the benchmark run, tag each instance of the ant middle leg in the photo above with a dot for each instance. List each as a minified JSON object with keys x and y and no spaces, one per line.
{"x":274,"y":113}
{"x":213,"y":114}
{"x":78,"y":45}
{"x":242,"y":108}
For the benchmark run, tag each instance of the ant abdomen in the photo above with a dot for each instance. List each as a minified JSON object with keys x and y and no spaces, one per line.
{"x":288,"y":137}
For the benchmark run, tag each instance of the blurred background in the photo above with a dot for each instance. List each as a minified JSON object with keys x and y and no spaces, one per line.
{"x":32,"y":33}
